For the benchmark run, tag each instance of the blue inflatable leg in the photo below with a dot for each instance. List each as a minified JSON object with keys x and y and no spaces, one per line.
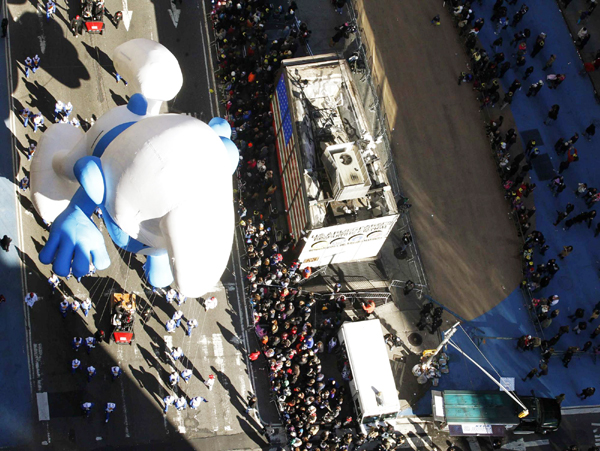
{"x":157,"y":269}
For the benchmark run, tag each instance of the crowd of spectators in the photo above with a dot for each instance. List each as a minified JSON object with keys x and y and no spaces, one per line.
{"x":295,"y":329}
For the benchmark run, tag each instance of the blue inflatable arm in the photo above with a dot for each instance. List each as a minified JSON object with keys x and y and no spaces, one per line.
{"x":74,"y":238}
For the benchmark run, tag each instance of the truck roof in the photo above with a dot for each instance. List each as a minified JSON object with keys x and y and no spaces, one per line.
{"x":490,"y":407}
{"x":370,"y":365}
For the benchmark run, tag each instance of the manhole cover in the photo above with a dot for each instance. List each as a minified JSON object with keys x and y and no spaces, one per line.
{"x":415,"y":339}
{"x":400,"y":254}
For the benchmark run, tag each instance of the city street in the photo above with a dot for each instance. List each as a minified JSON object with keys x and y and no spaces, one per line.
{"x":470,"y":251}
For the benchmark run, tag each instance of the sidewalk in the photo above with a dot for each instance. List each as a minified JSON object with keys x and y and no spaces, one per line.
{"x":577,"y":282}
{"x":15,"y":390}
{"x":571,"y":15}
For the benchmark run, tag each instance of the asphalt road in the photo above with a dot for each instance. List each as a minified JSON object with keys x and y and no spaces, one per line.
{"x":80,"y":70}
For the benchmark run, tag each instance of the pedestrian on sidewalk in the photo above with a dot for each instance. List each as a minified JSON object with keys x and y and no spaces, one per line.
{"x":547,"y":354}
{"x":504,"y":67}
{"x":579,"y":313}
{"x":569,"y":355}
{"x":549,"y":63}
{"x":5,"y":243}
{"x":552,"y":114}
{"x":497,"y":44}
{"x":409,"y":285}
{"x":539,"y":44}
{"x":520,"y":36}
{"x":580,"y":327}
{"x":589,"y":217}
{"x":563,"y":214}
{"x":531,"y":374}
{"x":566,"y":251}
{"x":586,"y":346}
{"x":342,"y":31}
{"x":508,"y":98}
{"x":554,"y":80}
{"x":339,"y":6}
{"x":583,"y":16}
{"x":583,"y":36}
{"x":594,"y":315}
{"x":406,"y":240}
{"x":587,"y":392}
{"x":590,"y":132}
{"x":581,"y":190}
{"x":563,"y":330}
{"x":368,"y":308}
{"x":252,"y":400}
{"x":528,"y":72}
{"x":596,"y":332}
{"x":543,"y":370}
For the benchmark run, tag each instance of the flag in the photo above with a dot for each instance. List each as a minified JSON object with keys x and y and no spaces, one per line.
{"x":287,"y":157}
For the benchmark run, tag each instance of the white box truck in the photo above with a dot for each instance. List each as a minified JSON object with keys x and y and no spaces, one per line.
{"x":372,"y":385}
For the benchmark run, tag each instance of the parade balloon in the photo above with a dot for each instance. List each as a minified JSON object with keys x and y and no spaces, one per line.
{"x":162,"y":182}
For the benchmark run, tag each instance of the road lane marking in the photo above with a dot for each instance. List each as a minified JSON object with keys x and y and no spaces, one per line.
{"x":37,"y":358}
{"x":43,"y":407}
{"x":174,"y":13}
{"x":217,"y":341}
{"x":122,"y":387}
{"x":210,"y":74}
{"x":126,"y":15}
{"x":578,"y":410}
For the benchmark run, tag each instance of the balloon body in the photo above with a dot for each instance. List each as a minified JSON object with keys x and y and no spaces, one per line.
{"x":162,"y":182}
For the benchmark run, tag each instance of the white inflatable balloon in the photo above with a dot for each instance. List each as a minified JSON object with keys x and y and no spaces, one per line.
{"x":162,"y":181}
